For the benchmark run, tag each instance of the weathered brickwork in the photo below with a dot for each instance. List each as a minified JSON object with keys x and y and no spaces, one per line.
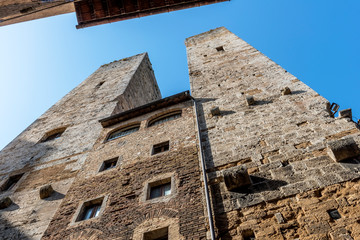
{"x":303,"y":216}
{"x":128,"y":214}
{"x":58,"y":161}
{"x":257,"y":116}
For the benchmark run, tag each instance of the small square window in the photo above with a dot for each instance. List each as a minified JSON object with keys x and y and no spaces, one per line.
{"x":108,"y":164}
{"x":334,"y":214}
{"x":160,"y":188}
{"x":220,"y":49}
{"x":11,"y":182}
{"x":161,"y":147}
{"x":158,"y":234}
{"x":90,"y":209}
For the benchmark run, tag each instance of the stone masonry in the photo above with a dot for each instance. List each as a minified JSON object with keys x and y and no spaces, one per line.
{"x":279,"y":164}
{"x":57,"y":162}
{"x":283,"y":133}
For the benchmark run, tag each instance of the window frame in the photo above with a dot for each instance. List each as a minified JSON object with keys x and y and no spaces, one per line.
{"x":111,"y":160}
{"x":80,"y":212}
{"x":161,"y":145}
{"x":11,"y":182}
{"x":163,"y":232}
{"x":157,"y":120}
{"x":122,"y":129}
{"x":53,"y":134}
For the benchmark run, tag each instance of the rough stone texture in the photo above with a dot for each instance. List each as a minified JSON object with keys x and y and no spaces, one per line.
{"x":282,"y":139}
{"x":128,"y":214}
{"x":5,"y":202}
{"x":343,"y":149}
{"x":58,"y":161}
{"x":236,"y":177}
{"x":46,"y":191}
{"x":305,"y":216}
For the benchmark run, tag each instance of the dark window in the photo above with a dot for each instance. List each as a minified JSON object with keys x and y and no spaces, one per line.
{"x":108,"y":164}
{"x":100,"y":84}
{"x":161,"y":147}
{"x":334,"y":214}
{"x":160,"y":188}
{"x":165,"y":118}
{"x":11,"y":182}
{"x":123,"y":132}
{"x":220,"y":49}
{"x":53,"y":135}
{"x":158,"y":234}
{"x":90,"y":209}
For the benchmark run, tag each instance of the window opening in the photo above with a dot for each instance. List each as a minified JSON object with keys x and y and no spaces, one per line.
{"x":90,"y":209}
{"x":99,"y":84}
{"x":11,"y":182}
{"x":54,"y":135}
{"x":109,"y":164}
{"x":158,"y":234}
{"x":220,"y":49}
{"x":161,"y":147}
{"x":160,"y":189}
{"x":334,"y":214}
{"x":165,"y":118}
{"x":123,"y":132}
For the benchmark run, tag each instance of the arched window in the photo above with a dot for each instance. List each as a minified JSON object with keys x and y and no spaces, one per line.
{"x":164,"y":118}
{"x":123,"y":132}
{"x":54,"y":134}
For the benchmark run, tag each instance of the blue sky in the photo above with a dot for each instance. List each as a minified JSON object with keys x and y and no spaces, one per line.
{"x":42,"y":60}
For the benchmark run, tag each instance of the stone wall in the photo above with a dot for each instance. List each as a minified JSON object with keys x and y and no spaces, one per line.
{"x":57,"y":162}
{"x":127,"y":213}
{"x":255,"y":115}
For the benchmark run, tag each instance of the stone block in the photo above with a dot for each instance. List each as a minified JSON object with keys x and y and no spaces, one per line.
{"x":46,"y":191}
{"x":215,"y":111}
{"x":279,"y":218}
{"x":250,"y":100}
{"x":346,"y":113}
{"x":5,"y":202}
{"x":285,"y":91}
{"x":342,"y":149}
{"x":236,"y":177}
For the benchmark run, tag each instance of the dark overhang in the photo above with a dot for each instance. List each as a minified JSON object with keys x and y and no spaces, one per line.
{"x":96,"y":12}
{"x":165,"y":102}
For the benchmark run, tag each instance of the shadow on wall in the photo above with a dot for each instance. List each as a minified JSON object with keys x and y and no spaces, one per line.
{"x":246,"y":194}
{"x":9,"y":231}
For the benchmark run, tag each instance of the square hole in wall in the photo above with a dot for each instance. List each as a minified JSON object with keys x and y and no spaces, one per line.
{"x":220,"y":49}
{"x":158,"y":234}
{"x":11,"y":182}
{"x":159,"y":188}
{"x":90,"y":209}
{"x":161,"y":147}
{"x":334,"y":214}
{"x":108,"y":164}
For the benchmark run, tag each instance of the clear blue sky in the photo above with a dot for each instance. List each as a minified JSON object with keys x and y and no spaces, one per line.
{"x":317,"y":41}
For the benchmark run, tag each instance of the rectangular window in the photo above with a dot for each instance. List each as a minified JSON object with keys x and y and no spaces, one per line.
{"x":160,"y":188}
{"x":158,"y":234}
{"x":109,"y":164}
{"x":11,"y":182}
{"x":220,"y":49}
{"x":161,"y":147}
{"x":90,"y":209}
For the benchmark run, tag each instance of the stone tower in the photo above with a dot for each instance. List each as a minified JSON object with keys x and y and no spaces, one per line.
{"x":253,"y":154}
{"x":279,"y":165}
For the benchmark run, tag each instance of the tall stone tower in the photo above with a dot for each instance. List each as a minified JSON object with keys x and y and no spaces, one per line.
{"x":253,"y":154}
{"x":280,"y":166}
